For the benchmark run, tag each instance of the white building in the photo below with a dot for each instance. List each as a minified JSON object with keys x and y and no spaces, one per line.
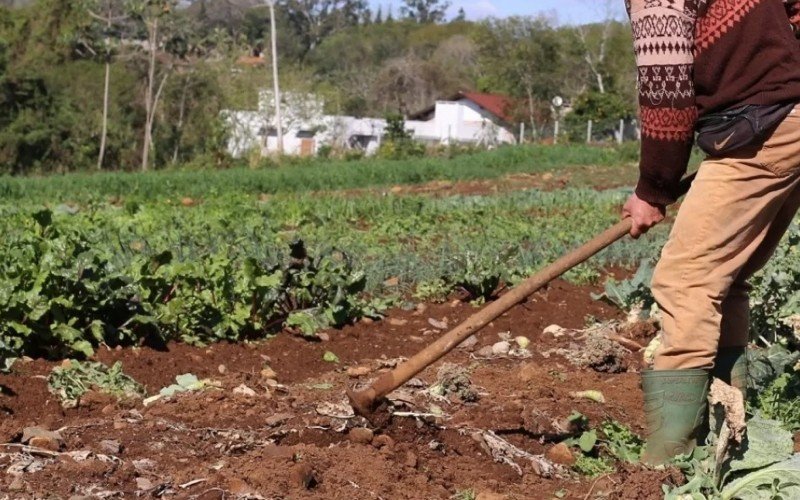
{"x":466,"y":118}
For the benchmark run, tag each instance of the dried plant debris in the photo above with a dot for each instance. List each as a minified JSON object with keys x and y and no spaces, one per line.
{"x":453,"y":383}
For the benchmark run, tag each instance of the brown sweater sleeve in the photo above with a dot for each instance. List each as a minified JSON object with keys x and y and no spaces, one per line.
{"x":663,"y":38}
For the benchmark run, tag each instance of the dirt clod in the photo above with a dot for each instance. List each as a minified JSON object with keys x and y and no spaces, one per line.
{"x":560,"y":454}
{"x":44,"y":443}
{"x":487,"y":495}
{"x":410,"y":460}
{"x":17,"y":485}
{"x":303,"y":475}
{"x":268,"y":373}
{"x":599,"y":353}
{"x":361,"y":435}
{"x":383,"y":441}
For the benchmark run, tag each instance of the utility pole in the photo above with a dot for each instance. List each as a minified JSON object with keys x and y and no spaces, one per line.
{"x":276,"y":89}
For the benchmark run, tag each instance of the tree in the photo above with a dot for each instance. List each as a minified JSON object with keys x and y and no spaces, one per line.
{"x":425,"y":11}
{"x":594,"y":45}
{"x":110,"y":14}
{"x":152,"y":14}
{"x":315,"y":20}
{"x":522,"y":56}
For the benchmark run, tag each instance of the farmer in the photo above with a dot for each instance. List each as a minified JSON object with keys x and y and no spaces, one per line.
{"x":730,"y":71}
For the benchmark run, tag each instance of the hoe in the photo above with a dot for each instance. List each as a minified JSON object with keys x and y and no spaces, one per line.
{"x":368,"y":400}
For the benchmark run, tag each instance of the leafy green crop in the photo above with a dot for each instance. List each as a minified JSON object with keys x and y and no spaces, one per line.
{"x":599,"y":447}
{"x":76,"y":276}
{"x":630,"y":293}
{"x":592,"y":466}
{"x":71,"y":382}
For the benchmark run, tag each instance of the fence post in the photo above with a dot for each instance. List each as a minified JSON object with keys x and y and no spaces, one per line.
{"x":521,"y":132}
{"x":621,"y":131}
{"x":588,"y":131}
{"x":555,"y":133}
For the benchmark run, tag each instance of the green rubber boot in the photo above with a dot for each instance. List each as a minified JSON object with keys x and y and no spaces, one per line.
{"x":675,"y":404}
{"x":731,"y":367}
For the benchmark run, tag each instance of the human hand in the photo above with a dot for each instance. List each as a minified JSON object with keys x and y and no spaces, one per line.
{"x":643,"y":215}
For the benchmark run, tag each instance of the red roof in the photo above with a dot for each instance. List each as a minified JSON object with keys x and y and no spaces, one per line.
{"x":496,"y":104}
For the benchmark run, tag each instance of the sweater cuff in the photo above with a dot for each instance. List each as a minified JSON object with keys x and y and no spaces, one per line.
{"x":655,"y":191}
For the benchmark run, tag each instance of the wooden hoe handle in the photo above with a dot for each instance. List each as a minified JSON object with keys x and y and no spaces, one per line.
{"x":364,"y":402}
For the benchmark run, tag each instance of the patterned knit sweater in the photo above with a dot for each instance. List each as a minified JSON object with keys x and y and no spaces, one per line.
{"x":699,"y":56}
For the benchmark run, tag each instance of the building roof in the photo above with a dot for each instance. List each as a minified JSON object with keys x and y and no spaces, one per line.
{"x":496,"y":104}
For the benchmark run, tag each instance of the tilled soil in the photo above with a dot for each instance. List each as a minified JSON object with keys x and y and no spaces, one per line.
{"x":295,"y":438}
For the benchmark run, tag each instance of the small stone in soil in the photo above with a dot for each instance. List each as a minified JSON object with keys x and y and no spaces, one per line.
{"x":439,"y":325}
{"x":361,"y":435}
{"x":555,"y":330}
{"x":501,"y":347}
{"x":243,"y":390}
{"x":358,"y":371}
{"x":268,"y":373}
{"x":486,"y":352}
{"x":144,"y":484}
{"x":277,"y":419}
{"x":222,"y":369}
{"x":469,"y":343}
{"x":110,"y":446}
{"x":324,"y":337}
{"x":398,"y":322}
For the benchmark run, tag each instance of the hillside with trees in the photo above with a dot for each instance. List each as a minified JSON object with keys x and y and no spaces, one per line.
{"x":126,"y":85}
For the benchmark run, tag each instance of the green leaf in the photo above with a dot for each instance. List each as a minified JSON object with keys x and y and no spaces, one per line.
{"x":306,"y":322}
{"x":587,"y":441}
{"x":330,"y":357}
{"x":186,"y":380}
{"x":767,"y":442}
{"x":781,"y":480}
{"x":83,"y":347}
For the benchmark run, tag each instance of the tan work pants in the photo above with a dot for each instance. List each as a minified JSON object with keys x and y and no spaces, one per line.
{"x":727,"y":228}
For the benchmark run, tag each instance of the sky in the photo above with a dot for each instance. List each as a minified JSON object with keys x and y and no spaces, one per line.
{"x":564,"y":11}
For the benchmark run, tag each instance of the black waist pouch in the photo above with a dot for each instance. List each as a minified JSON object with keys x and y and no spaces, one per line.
{"x":721,"y":133}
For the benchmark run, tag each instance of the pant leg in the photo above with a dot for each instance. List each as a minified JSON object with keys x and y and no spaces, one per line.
{"x":722,"y":225}
{"x":735,"y":327}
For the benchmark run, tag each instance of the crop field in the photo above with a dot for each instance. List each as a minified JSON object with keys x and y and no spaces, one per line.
{"x":191,"y":335}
